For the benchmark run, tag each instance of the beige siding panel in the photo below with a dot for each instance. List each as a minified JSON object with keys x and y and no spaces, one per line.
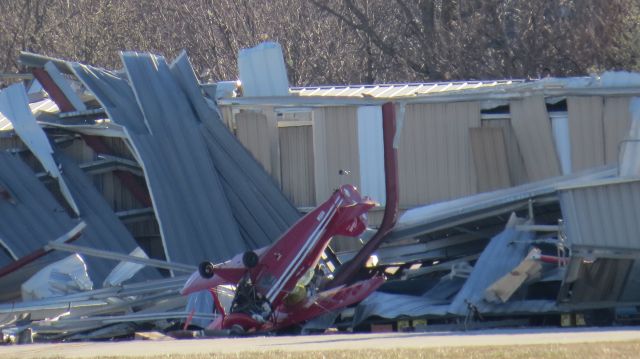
{"x":252,"y":129}
{"x":490,"y":158}
{"x":296,"y":154}
{"x":335,"y":139}
{"x":517,"y":170}
{"x":586,"y":132}
{"x":532,"y":127}
{"x":617,"y":120}
{"x":434,"y":154}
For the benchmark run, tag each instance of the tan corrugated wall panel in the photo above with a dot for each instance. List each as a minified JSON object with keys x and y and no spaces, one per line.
{"x":586,"y":132}
{"x":434,"y":155}
{"x":517,"y":170}
{"x":335,"y":141}
{"x":490,"y":158}
{"x":617,"y":120}
{"x":296,"y":153}
{"x":252,"y":130}
{"x":532,"y":127}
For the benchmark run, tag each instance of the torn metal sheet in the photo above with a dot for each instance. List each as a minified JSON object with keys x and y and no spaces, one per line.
{"x":14,"y":104}
{"x":65,"y":276}
{"x":503,"y":253}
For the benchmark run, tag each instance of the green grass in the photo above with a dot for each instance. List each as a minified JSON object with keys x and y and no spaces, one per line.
{"x":618,"y":350}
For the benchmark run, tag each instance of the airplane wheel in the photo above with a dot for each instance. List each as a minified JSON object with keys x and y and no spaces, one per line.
{"x":236,"y":329}
{"x":250,"y":259}
{"x":206,"y":269}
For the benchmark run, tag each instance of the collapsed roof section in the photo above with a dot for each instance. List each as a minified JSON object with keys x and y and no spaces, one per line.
{"x":207,"y":191}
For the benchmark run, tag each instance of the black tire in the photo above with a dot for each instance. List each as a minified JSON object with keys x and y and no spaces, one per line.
{"x":250,"y":259}
{"x":206,"y":269}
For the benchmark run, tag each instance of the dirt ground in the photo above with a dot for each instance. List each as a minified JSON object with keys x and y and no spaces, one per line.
{"x":338,"y":345}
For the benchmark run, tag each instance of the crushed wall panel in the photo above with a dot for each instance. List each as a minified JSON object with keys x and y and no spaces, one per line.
{"x":532,"y":127}
{"x":490,"y":158}
{"x":517,"y":169}
{"x":586,"y":132}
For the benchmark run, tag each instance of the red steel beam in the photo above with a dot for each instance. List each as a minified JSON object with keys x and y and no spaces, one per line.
{"x":31,"y":257}
{"x":349,"y":270}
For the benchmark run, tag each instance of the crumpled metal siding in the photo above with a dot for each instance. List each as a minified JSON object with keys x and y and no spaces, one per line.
{"x":36,"y":217}
{"x":104,"y":230}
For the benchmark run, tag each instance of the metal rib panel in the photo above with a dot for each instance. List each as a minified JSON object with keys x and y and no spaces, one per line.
{"x":605,"y":215}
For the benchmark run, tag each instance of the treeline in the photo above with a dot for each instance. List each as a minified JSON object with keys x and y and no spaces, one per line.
{"x":338,"y":41}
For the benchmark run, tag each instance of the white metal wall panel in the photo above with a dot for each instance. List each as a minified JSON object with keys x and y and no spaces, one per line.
{"x":532,"y":126}
{"x":262,"y":71}
{"x":252,"y":130}
{"x":296,"y":151}
{"x":562,"y":139}
{"x":604,"y":215}
{"x":490,"y":158}
{"x":517,"y":170}
{"x":616,"y":119}
{"x":335,"y":142}
{"x":434,"y":155}
{"x":371,"y":149}
{"x":586,"y":131}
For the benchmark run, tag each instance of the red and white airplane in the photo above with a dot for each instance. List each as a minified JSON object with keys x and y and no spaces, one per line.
{"x":277,"y":286}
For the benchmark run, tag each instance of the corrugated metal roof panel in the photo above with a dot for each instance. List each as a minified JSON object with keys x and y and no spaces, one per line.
{"x":603,"y":215}
{"x":204,"y":212}
{"x":104,"y":230}
{"x":36,"y":217}
{"x":396,"y":90}
{"x":45,"y":105}
{"x":616,"y":121}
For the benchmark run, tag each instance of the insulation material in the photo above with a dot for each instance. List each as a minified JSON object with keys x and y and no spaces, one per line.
{"x":14,"y":104}
{"x":532,"y":127}
{"x":337,"y":156}
{"x":63,"y":277}
{"x":489,"y":158}
{"x":586,"y":131}
{"x":630,"y":157}
{"x":434,"y":154}
{"x":372,"y":181}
